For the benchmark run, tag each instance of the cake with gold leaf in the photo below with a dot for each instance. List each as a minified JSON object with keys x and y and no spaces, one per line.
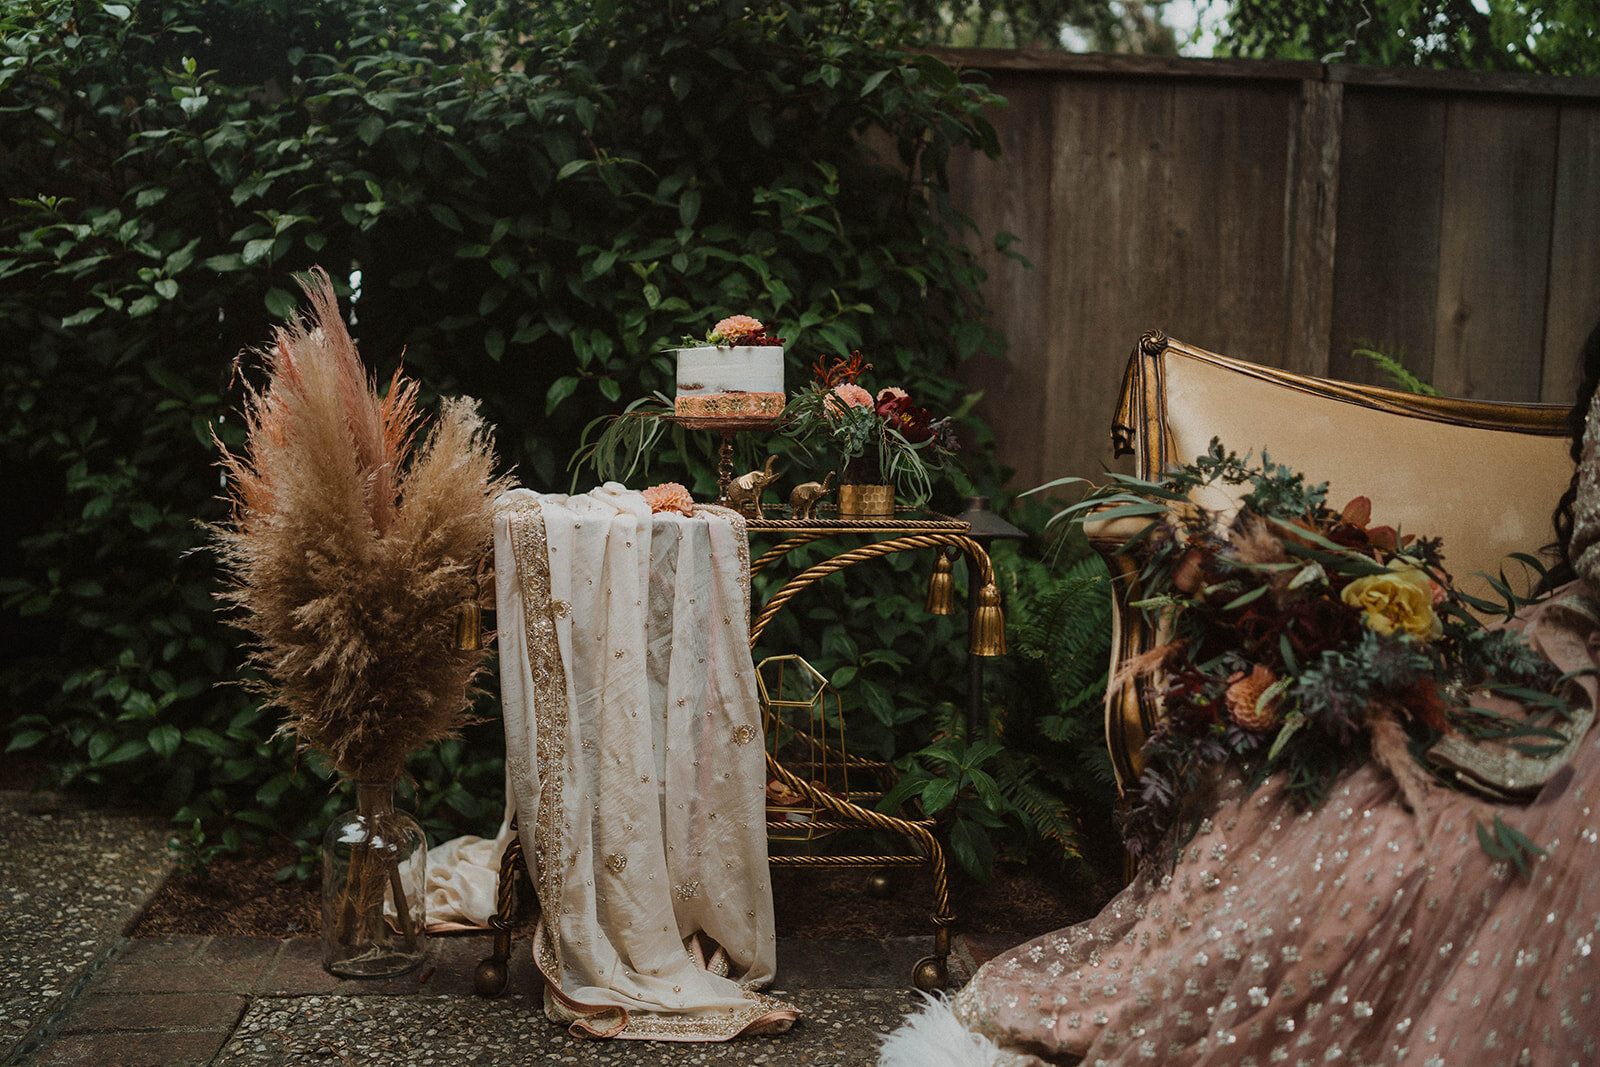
{"x":736,"y":374}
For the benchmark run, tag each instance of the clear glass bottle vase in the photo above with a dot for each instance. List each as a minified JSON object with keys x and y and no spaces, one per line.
{"x":374,"y":875}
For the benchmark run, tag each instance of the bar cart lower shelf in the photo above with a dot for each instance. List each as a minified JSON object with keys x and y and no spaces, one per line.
{"x":906,"y":532}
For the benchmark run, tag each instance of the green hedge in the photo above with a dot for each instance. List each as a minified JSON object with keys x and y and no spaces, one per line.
{"x":530,"y":204}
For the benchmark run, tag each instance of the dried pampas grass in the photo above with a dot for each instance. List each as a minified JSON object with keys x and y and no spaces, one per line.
{"x":350,"y":550}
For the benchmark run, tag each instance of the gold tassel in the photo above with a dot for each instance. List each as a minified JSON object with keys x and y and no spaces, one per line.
{"x":988,"y":624}
{"x":941,"y":588}
{"x":469,"y":626}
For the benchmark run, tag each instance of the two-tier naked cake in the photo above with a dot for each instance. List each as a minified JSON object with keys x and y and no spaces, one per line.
{"x":737,"y":374}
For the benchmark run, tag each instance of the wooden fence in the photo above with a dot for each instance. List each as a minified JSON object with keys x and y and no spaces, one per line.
{"x":1281,"y":213}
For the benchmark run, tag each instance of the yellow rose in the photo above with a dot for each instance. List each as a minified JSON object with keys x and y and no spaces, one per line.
{"x":1400,"y":599}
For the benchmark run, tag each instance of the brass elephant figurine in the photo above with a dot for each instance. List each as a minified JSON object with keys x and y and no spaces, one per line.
{"x":803,"y":497}
{"x":744,"y":492}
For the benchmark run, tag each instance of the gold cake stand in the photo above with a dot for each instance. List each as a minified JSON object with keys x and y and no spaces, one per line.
{"x":729,"y":428}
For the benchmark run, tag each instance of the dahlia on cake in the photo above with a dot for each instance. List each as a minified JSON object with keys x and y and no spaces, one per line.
{"x":736,"y":374}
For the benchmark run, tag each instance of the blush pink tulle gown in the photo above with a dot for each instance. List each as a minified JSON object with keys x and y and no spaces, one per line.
{"x":1358,"y":933}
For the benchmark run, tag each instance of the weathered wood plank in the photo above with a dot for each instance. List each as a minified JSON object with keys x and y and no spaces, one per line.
{"x":1465,"y":81}
{"x":1043,"y":62}
{"x":1227,"y":256}
{"x":1013,"y":196}
{"x":1494,"y":248}
{"x":1313,"y":225}
{"x":1386,"y":260}
{"x":1466,"y":236}
{"x":1573,"y":305}
{"x":1113,"y":172}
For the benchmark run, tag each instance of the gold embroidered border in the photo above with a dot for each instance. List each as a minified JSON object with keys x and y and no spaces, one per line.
{"x":1494,"y":767}
{"x":721,"y":1026}
{"x":550,"y":713}
{"x":741,"y":538}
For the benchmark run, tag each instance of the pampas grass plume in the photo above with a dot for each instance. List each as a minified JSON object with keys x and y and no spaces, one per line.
{"x":351,"y":547}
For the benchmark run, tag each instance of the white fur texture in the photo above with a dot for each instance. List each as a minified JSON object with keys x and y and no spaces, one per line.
{"x":933,"y":1037}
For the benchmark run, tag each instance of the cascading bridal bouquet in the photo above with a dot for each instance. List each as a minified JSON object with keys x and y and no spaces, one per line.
{"x":1296,"y":638}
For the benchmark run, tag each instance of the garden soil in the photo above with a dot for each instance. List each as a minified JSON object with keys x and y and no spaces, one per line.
{"x":240,"y":895}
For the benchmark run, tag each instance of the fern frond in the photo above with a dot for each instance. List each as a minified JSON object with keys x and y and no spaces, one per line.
{"x":1069,"y":635}
{"x":1046,"y":814}
{"x":1394,"y":369}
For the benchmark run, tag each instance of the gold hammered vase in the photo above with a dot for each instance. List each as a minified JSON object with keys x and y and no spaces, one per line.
{"x":866,"y":501}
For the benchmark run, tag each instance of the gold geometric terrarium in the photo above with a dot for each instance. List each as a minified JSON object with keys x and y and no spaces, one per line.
{"x":802,"y":716}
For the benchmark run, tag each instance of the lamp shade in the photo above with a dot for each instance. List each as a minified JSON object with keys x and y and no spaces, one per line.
{"x":985,"y":524}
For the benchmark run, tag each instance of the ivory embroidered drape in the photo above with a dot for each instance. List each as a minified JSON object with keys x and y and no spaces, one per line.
{"x":634,"y":756}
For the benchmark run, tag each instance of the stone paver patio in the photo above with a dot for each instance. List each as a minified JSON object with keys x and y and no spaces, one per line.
{"x":75,"y":990}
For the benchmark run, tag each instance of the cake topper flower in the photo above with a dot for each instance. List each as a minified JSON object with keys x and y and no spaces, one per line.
{"x":736,"y":331}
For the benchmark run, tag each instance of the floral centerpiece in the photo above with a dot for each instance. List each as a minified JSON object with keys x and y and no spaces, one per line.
{"x":878,"y":439}
{"x":1296,"y":638}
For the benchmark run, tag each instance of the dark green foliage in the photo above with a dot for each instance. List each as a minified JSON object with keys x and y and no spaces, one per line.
{"x":1554,"y":37}
{"x":529,"y":201}
{"x":1050,"y":698}
{"x":1043,"y":777}
{"x":1504,"y":842}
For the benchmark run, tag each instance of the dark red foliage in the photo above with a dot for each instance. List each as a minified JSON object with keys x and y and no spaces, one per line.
{"x":1192,"y":699}
{"x":1427,"y":705}
{"x":1313,"y":626}
{"x":1352,"y":531}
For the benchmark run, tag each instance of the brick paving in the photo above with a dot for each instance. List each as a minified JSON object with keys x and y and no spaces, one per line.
{"x":73,"y":879}
{"x":229,"y":1000}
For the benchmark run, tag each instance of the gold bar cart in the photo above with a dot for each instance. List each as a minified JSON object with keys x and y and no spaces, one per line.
{"x":905,"y":532}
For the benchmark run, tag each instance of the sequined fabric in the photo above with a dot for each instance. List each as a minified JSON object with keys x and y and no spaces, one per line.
{"x":1584,"y":548}
{"x":1357,"y":933}
{"x":626,"y":680}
